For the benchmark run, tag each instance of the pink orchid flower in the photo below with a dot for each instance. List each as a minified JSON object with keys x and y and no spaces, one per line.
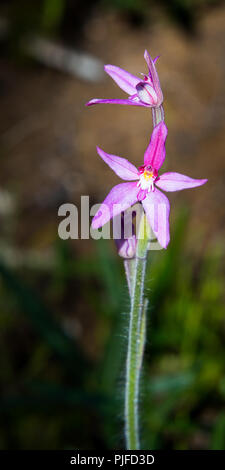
{"x":142,"y":92}
{"x":143,"y":189}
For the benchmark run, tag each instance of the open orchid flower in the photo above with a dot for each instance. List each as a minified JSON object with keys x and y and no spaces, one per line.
{"x":142,"y":92}
{"x":144,"y":188}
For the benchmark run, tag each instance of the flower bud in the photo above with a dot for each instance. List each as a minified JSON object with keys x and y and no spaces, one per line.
{"x":126,"y":245}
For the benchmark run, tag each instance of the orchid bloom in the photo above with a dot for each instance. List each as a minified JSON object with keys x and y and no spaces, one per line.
{"x":143,"y":189}
{"x":142,"y":92}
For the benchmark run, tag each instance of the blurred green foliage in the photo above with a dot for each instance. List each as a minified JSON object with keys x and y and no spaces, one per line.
{"x":52,"y":14}
{"x":62,"y":385}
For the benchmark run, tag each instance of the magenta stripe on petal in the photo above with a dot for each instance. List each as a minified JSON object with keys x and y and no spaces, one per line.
{"x":157,"y":208}
{"x":146,"y":93}
{"x":122,"y":167}
{"x":155,"y":152}
{"x":128,"y":102}
{"x":176,"y":182}
{"x":124,"y":79}
{"x":120,"y":197}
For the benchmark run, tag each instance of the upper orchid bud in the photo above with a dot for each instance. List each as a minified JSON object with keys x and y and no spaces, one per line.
{"x":141,"y":92}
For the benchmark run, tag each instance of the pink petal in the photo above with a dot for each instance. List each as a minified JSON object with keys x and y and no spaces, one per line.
{"x":124,"y":79}
{"x":122,"y":167}
{"x":157,"y":208}
{"x":176,"y":182}
{"x":142,"y":194}
{"x":155,"y":152}
{"x":146,"y":94}
{"x":129,"y":102}
{"x":119,"y":199}
{"x":154,"y":76}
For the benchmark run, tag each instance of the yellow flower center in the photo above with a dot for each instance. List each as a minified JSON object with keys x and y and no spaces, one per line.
{"x":148,"y":175}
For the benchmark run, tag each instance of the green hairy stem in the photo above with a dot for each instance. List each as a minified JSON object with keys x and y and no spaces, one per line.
{"x":135,"y":272}
{"x":136,"y":339}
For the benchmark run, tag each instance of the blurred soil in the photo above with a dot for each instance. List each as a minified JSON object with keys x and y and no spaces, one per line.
{"x":48,"y":136}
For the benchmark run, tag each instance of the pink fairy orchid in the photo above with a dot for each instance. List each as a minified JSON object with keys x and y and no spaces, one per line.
{"x":142,"y":92}
{"x":143,"y":189}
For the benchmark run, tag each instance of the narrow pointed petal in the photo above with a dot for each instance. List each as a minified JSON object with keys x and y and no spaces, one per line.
{"x":154,"y":76}
{"x":124,"y":79}
{"x":156,"y":152}
{"x":146,"y":94}
{"x":122,"y":167}
{"x":176,"y":182}
{"x":120,"y":197}
{"x":157,"y":208}
{"x":129,"y":102}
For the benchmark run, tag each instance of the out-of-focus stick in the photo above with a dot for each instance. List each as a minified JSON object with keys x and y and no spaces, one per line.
{"x":57,"y":56}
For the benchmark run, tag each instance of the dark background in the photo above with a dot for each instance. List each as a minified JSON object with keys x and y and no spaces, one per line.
{"x":64,"y":304}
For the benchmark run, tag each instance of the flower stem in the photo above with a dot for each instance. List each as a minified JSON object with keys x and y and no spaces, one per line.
{"x":136,"y":339}
{"x":135,"y":272}
{"x":129,"y":266}
{"x":157,"y":115}
{"x":142,"y":333}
